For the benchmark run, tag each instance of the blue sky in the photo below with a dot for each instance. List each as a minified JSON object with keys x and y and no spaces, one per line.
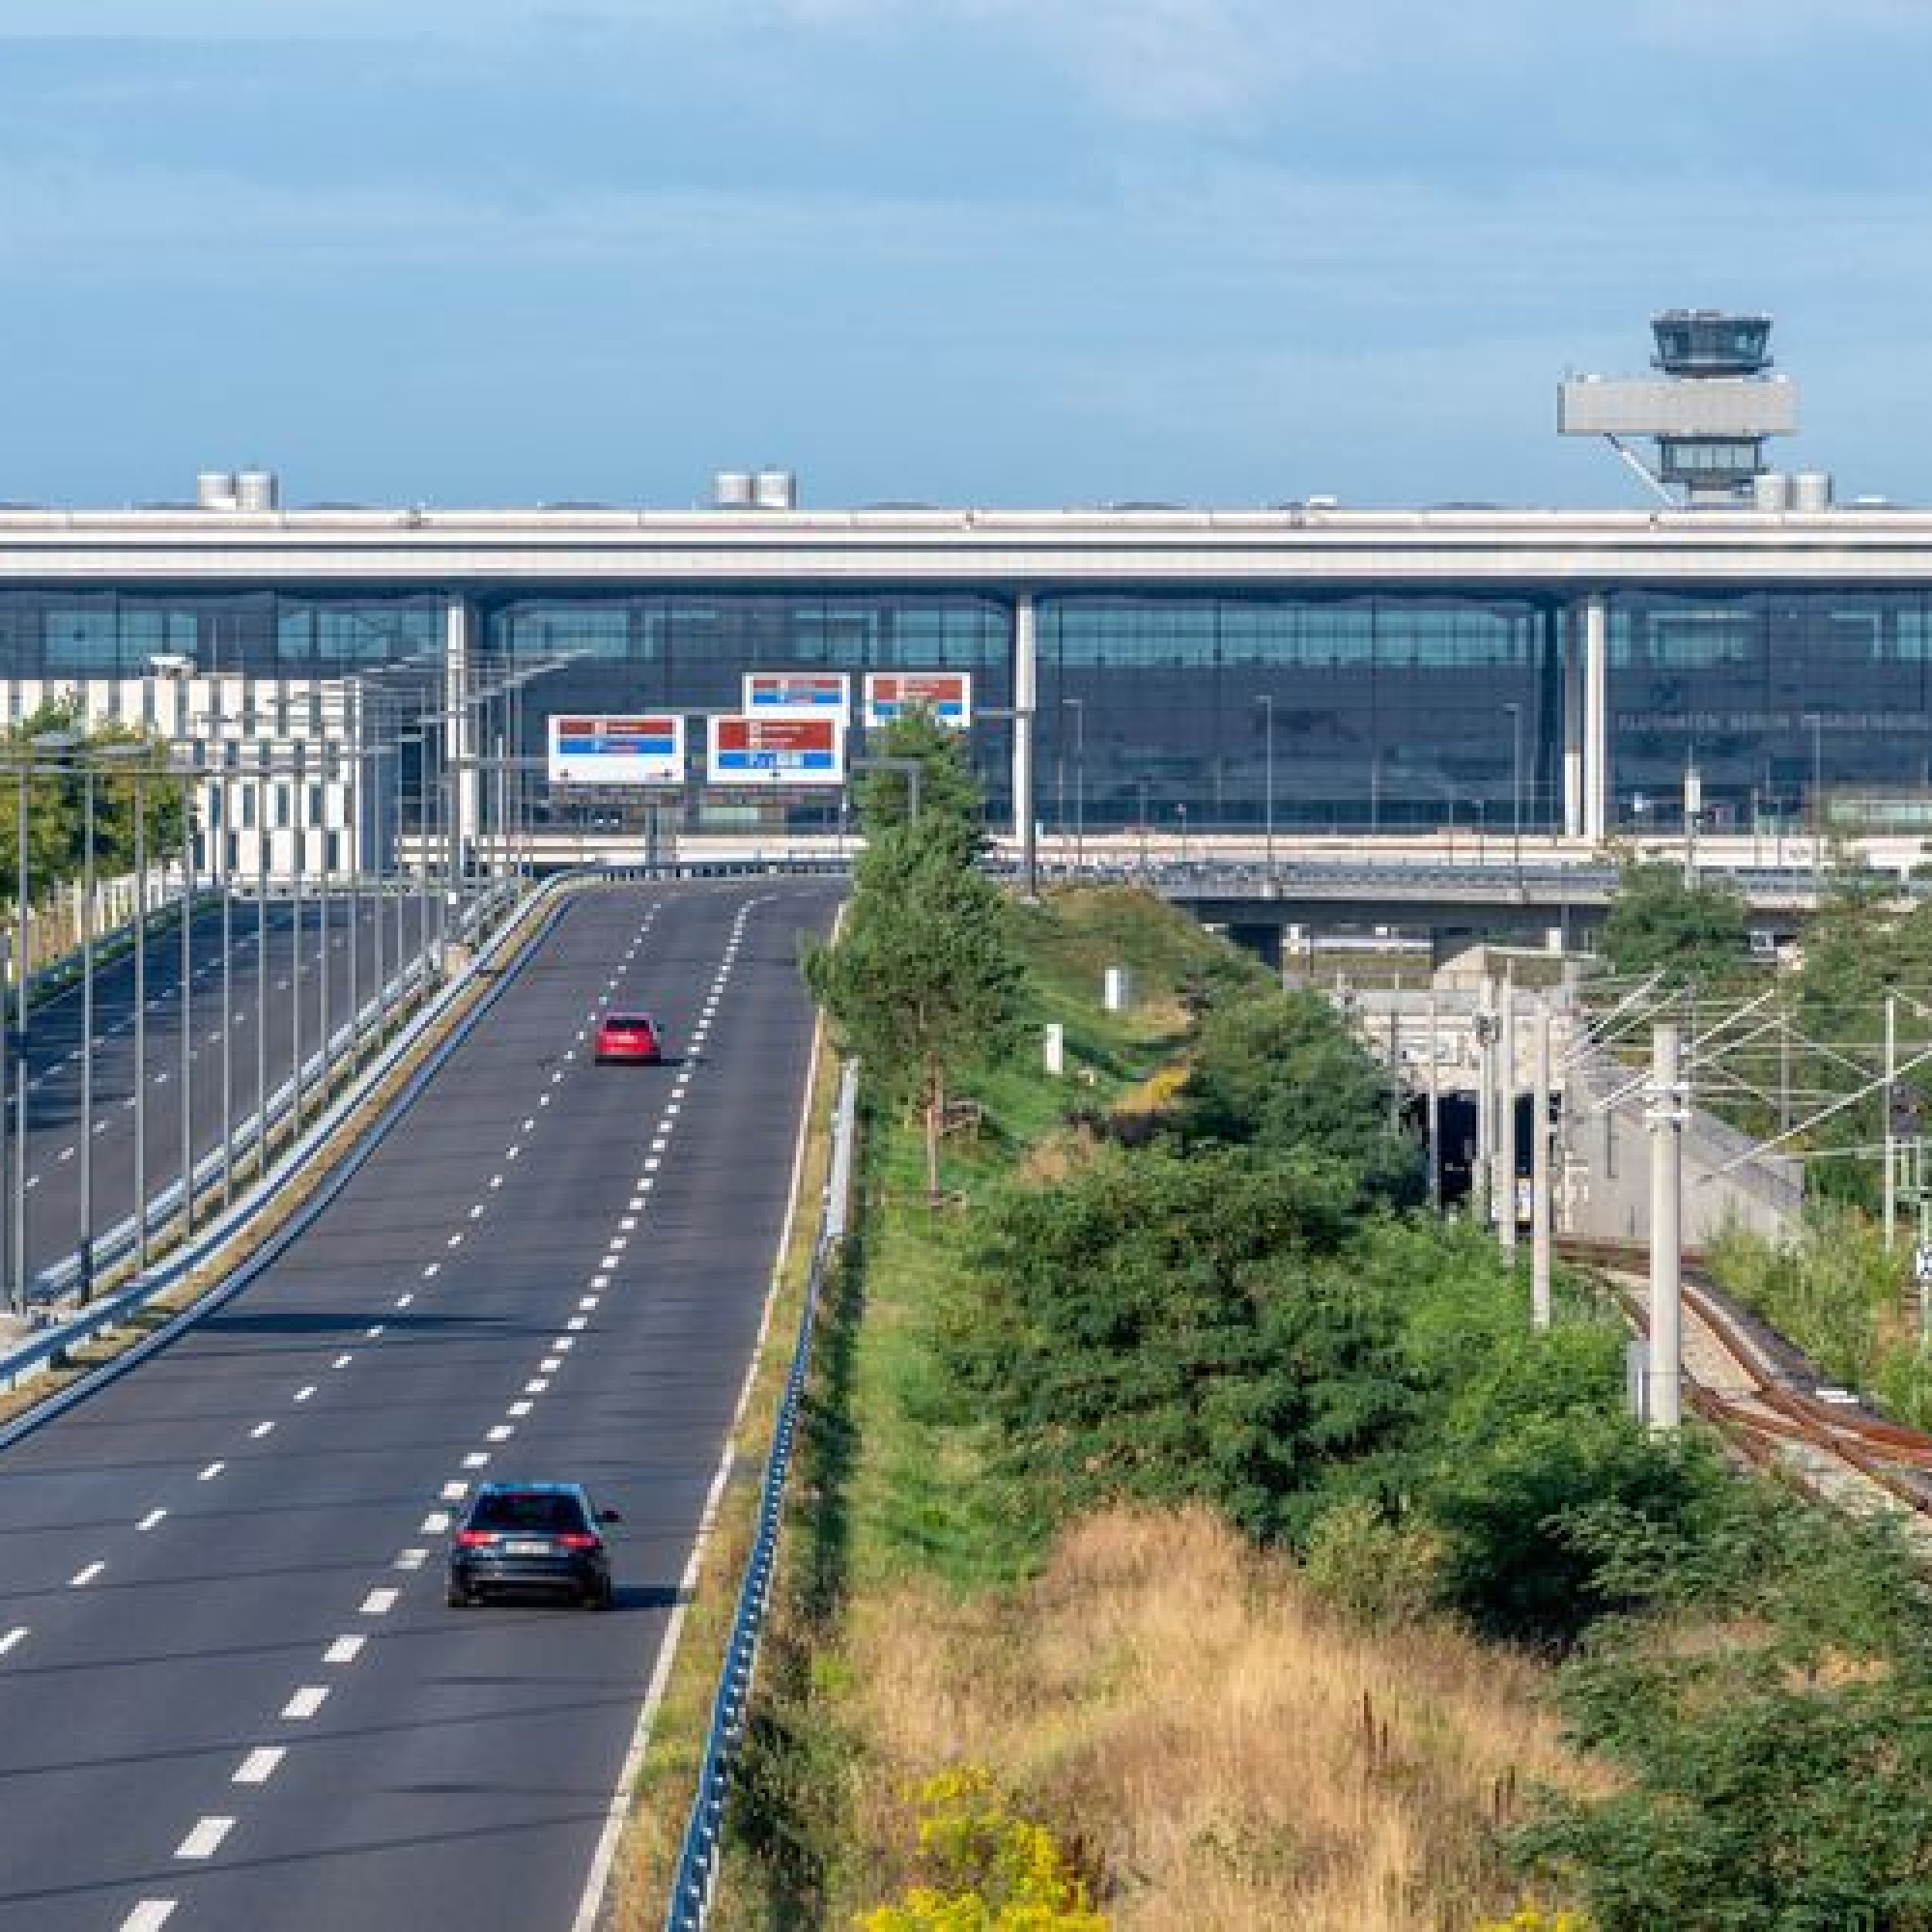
{"x":1020,"y":253}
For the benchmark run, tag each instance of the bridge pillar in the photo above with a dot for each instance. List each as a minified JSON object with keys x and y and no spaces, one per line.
{"x":460,"y":731}
{"x":1573,"y":724}
{"x":1026,"y":665}
{"x":1596,"y":718}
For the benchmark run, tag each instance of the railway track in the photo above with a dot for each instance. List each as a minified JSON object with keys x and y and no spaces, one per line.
{"x":1769,"y":1402}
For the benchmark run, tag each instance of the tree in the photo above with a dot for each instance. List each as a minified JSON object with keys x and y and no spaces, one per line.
{"x":1281,"y":1072}
{"x":1658,"y":923}
{"x":950,"y":805}
{"x":56,"y":798}
{"x":1175,"y":1326}
{"x":922,"y":983}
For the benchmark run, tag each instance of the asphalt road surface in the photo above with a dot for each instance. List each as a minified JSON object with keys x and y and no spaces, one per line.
{"x":231,"y":1692}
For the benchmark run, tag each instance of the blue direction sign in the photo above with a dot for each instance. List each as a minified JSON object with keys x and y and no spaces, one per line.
{"x":606,"y":750}
{"x":799,"y":694}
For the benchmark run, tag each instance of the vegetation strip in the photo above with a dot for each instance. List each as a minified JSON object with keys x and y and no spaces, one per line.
{"x":1190,"y":1532}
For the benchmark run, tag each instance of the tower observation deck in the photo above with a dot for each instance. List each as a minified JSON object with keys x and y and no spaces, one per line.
{"x":1710,"y":411}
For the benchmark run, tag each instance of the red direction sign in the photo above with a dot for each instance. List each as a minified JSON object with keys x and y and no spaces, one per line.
{"x":777,"y":751}
{"x":947,"y":694}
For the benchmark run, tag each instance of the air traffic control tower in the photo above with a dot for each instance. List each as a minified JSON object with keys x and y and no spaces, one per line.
{"x":1708,"y":411}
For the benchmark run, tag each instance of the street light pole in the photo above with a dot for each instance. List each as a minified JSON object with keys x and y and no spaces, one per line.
{"x":187,"y":1008}
{"x":1267,"y":701}
{"x":140,"y":1023}
{"x":1817,"y":723}
{"x":1516,"y":790}
{"x":87,"y":873}
{"x":1078,"y":706}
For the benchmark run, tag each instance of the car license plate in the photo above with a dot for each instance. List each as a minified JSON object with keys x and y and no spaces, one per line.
{"x":527,"y":1545}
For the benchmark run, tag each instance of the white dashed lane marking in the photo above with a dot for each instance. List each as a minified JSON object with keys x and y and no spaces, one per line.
{"x":379,"y":1602}
{"x":205,"y":1839}
{"x":80,"y":1580}
{"x":259,"y":1766}
{"x":149,"y":1915}
{"x":13,"y":1638}
{"x":209,"y":1474}
{"x":305,"y":1702}
{"x":344,"y":1650}
{"x":152,"y":1517}
{"x":261,"y":1429}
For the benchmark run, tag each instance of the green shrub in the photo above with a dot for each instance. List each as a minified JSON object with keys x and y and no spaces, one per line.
{"x":1375,"y":1570}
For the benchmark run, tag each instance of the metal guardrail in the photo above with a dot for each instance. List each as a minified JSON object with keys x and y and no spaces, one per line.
{"x":697,"y":1859}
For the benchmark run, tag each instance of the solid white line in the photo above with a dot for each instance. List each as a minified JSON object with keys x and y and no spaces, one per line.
{"x":203,"y":1841}
{"x":149,"y":1915}
{"x":80,"y":1580}
{"x":152,"y":1517}
{"x":379,"y":1602}
{"x":259,"y":1766}
{"x":209,"y":1474}
{"x":344,"y":1650}
{"x":306,"y":1702}
{"x":13,"y":1638}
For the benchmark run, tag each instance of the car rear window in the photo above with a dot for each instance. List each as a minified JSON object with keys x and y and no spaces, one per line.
{"x":634,"y":1021}
{"x":551,"y":1515}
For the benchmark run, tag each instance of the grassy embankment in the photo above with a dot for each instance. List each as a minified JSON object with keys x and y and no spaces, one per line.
{"x":1174,"y":1706}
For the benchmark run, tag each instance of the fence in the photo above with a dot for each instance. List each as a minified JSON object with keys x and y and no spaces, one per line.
{"x":697,"y":1859}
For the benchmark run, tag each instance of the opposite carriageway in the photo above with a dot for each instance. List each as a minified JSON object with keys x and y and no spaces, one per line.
{"x":299,"y":997}
{"x":236,"y":1697}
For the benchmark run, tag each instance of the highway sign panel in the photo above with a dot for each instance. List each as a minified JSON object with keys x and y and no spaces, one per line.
{"x":947,"y":694}
{"x":765,"y":751}
{"x":799,"y":694}
{"x":608,"y":749}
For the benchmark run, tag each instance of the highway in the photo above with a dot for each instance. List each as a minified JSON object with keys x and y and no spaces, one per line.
{"x":231,"y":1692}
{"x":296,"y":1004}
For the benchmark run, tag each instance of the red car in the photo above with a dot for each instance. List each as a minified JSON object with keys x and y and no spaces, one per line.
{"x":629,"y":1039}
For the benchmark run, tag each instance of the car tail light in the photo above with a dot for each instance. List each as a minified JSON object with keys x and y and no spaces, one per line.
{"x":578,"y":1539}
{"x":474,"y":1539}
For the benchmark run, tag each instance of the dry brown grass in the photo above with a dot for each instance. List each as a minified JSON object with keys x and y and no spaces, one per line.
{"x":1219,"y":1750}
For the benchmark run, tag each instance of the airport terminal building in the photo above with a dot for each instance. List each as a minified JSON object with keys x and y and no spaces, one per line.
{"x":1313,"y":666}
